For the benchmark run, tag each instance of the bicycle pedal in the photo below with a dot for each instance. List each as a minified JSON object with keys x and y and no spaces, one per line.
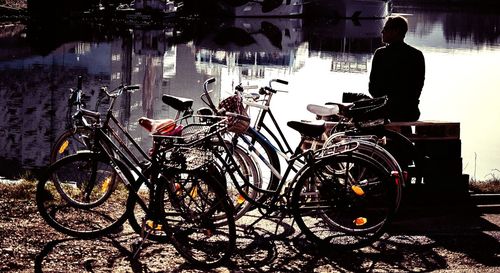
{"x":150,"y":224}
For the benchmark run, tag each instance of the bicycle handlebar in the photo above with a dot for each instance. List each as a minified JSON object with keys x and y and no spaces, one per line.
{"x":278,"y":81}
{"x":119,"y":90}
{"x":132,"y":87}
{"x":206,"y":94}
{"x":264,"y":90}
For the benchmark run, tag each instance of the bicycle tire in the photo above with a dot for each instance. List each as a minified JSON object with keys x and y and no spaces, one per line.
{"x":71,"y":141}
{"x":239,"y":202}
{"x":82,"y":222}
{"x":371,"y":150}
{"x":269,"y":180}
{"x":250,"y":171}
{"x":399,"y":146}
{"x":195,"y":218}
{"x":337,"y":215}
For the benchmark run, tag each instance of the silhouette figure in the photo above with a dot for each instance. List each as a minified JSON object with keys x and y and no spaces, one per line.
{"x":398,"y":71}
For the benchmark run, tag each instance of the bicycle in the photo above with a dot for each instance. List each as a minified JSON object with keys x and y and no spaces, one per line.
{"x":366,"y":119}
{"x":196,"y":201}
{"x":264,"y":153}
{"x":338,"y":198}
{"x":368,"y":145}
{"x":79,"y":137}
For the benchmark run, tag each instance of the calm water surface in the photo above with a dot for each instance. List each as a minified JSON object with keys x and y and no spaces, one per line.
{"x":320,"y":60}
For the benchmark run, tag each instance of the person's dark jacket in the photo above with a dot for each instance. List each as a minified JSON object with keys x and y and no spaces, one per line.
{"x":398,"y":71}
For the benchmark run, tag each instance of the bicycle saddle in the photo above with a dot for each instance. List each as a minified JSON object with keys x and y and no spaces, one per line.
{"x":308,"y":128}
{"x":178,"y":103}
{"x":158,"y":126}
{"x":329,"y":112}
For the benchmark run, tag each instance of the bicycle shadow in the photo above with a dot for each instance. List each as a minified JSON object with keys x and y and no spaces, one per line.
{"x":417,"y":243}
{"x":430,"y":239}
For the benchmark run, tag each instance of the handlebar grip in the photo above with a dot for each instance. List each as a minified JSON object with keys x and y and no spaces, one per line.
{"x":209,"y":81}
{"x":267,"y":88}
{"x":281,"y":81}
{"x":79,"y":84}
{"x":132,"y":87}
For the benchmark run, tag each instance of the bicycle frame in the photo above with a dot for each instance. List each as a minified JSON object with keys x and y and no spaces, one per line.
{"x":276,"y":195}
{"x":285,"y":186}
{"x":120,"y":154}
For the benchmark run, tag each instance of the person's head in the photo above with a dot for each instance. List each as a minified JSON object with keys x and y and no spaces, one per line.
{"x":394,"y":29}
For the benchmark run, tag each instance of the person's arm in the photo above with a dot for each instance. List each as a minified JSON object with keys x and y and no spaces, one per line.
{"x":374,"y":86}
{"x":420,"y":64}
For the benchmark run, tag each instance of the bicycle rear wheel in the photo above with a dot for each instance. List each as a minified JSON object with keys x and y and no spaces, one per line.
{"x":345,"y":201}
{"x":368,"y":148}
{"x":83,"y":170}
{"x":198,"y":206}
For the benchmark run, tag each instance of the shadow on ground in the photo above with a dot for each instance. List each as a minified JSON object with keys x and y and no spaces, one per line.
{"x":424,"y":239}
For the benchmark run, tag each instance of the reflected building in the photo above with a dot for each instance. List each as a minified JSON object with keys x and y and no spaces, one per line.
{"x":348,"y":43}
{"x":249,"y":49}
{"x":33,"y":98}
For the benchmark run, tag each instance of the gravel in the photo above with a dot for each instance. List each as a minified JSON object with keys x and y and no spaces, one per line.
{"x":420,"y":240}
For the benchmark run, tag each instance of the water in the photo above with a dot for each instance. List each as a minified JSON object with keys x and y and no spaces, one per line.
{"x":39,"y":63}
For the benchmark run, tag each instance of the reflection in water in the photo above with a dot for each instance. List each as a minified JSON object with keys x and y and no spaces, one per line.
{"x":321,"y":59}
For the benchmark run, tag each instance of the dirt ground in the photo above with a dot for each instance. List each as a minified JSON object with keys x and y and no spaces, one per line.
{"x":420,"y":240}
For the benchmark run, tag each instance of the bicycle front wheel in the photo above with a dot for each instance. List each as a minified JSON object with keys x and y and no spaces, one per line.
{"x":345,"y":201}
{"x":265,"y":158}
{"x":248,"y":182}
{"x":198,"y":206}
{"x":70,"y":142}
{"x":74,"y":173}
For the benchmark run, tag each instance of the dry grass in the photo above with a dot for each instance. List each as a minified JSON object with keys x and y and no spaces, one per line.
{"x":19,"y":4}
{"x":490,"y":185}
{"x":22,"y":190}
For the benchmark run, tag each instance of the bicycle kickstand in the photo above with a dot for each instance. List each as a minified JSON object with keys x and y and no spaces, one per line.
{"x":137,"y":246}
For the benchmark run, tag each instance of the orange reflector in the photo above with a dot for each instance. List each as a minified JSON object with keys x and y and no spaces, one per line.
{"x":360,"y":221}
{"x":358,"y":190}
{"x":63,"y":146}
{"x":194,"y":192}
{"x":240,"y":199}
{"x":105,"y":184}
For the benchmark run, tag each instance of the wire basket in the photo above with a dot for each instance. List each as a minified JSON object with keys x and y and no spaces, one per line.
{"x":192,"y":149}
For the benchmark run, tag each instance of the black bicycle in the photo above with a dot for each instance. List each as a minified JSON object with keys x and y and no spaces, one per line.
{"x":185,"y":204}
{"x":339,"y":199}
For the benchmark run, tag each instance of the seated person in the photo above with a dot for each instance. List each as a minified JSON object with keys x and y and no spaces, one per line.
{"x":398,"y":71}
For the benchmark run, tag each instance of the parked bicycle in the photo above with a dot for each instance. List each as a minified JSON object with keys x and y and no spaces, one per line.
{"x":80,"y":137}
{"x":185,"y":204}
{"x":364,"y":117}
{"x":338,"y":199}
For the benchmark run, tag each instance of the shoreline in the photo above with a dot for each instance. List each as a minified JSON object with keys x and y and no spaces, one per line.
{"x":451,"y":5}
